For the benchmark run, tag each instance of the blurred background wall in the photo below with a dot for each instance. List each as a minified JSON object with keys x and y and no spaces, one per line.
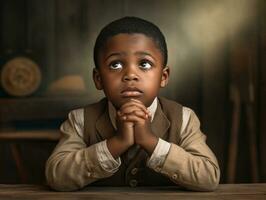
{"x":216,"y":56}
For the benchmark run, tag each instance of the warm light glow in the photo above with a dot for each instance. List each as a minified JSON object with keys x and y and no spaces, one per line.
{"x":207,"y":24}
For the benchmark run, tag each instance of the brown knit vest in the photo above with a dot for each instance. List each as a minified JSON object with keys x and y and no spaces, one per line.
{"x":166,"y":124}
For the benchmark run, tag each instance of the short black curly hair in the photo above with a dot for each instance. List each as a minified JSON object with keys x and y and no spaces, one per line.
{"x":130,"y":25}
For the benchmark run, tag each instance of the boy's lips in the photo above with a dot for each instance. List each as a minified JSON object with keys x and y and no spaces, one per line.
{"x":131,"y":92}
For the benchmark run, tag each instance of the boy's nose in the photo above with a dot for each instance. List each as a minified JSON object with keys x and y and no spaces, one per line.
{"x":130,"y":77}
{"x":130,"y":73}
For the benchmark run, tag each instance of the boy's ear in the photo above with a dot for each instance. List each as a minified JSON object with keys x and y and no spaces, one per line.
{"x":97,"y":79}
{"x":165,"y":76}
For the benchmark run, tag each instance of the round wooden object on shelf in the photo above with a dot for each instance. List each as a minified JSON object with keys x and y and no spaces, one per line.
{"x":20,"y":76}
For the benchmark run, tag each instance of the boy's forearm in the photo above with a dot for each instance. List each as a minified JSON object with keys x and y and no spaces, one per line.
{"x":71,"y":169}
{"x":203,"y":173}
{"x":116,"y":146}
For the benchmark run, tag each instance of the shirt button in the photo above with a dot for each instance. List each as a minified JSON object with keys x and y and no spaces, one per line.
{"x":134,"y":171}
{"x":157,"y":169}
{"x":174,"y":176}
{"x":133,"y":183}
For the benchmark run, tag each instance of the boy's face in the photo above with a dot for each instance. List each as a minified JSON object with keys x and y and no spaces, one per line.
{"x":130,"y":66}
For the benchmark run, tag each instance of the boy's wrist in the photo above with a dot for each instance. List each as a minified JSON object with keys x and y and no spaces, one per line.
{"x":123,"y":142}
{"x":149,"y":144}
{"x":117,"y":146}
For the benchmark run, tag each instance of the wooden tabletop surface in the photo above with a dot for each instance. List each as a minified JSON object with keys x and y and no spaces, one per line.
{"x":224,"y":192}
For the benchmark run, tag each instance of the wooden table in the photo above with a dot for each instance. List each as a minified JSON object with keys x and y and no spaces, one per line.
{"x":224,"y":192}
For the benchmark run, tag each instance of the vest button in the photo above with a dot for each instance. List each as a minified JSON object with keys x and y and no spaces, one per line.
{"x":133,"y":183}
{"x":134,"y":171}
{"x":174,"y":176}
{"x":158,"y":169}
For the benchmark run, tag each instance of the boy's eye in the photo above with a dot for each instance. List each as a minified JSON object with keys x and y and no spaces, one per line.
{"x":116,"y":65}
{"x":145,"y":65}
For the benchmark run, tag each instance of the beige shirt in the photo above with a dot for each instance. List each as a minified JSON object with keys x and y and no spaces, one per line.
{"x":74,"y":165}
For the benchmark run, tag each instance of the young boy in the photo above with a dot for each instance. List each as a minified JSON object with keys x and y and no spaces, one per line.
{"x":132,"y":137}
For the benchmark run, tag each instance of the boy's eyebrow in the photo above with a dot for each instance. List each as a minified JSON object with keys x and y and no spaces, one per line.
{"x":115,"y":54}
{"x":136,"y":53}
{"x":145,"y":54}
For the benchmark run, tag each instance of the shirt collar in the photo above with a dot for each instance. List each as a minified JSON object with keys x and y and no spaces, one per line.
{"x":112,"y":111}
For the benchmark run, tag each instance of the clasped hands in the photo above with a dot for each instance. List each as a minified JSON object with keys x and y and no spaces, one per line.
{"x":133,"y":127}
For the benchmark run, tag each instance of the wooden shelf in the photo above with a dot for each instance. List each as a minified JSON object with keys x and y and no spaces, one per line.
{"x":49,"y":135}
{"x":39,"y":108}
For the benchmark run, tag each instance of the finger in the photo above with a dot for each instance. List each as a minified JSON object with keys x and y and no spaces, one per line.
{"x":133,"y":118}
{"x":131,"y":109}
{"x":134,"y":110}
{"x":133,"y":104}
{"x":138,"y":113}
{"x":136,"y":100}
{"x":121,"y":117}
{"x":141,"y":104}
{"x":141,"y":114}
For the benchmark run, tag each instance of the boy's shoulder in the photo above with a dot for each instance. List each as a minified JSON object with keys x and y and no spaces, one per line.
{"x":172,"y":105}
{"x":100,"y":103}
{"x":96,"y":107}
{"x":170,"y":108}
{"x":168,"y":103}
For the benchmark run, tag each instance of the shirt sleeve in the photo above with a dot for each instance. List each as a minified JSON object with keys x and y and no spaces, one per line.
{"x":162,"y":148}
{"x":106,"y":159}
{"x":159,"y":154}
{"x":191,"y":163}
{"x":73,"y":164}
